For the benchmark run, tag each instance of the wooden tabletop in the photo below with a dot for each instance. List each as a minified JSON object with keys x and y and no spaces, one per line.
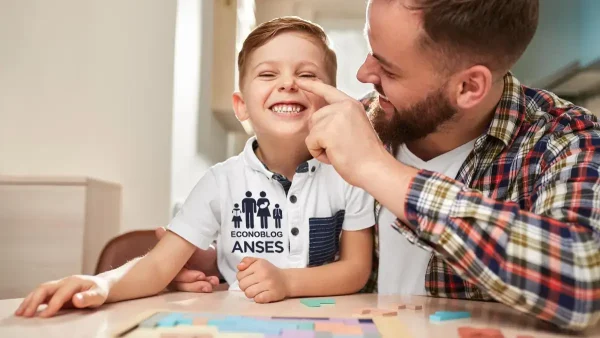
{"x":105,"y":321}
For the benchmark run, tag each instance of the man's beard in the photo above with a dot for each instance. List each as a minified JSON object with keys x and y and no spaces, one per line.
{"x":414,"y":122}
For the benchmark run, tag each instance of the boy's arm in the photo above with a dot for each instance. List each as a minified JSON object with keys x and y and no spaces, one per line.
{"x":149,"y":275}
{"x":141,"y":277}
{"x":346,"y":276}
{"x":265,"y":283}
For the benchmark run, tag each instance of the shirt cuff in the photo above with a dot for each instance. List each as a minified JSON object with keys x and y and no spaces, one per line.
{"x":190,"y":234}
{"x":358,"y":222}
{"x":428,"y":207}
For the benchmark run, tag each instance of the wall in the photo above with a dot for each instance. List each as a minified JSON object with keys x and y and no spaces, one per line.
{"x":593,"y":105}
{"x":199,"y":140}
{"x":590,"y":21}
{"x":86,"y":89}
{"x":555,"y":44}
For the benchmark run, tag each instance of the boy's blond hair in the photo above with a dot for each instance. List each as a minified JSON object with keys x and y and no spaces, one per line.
{"x":265,"y":32}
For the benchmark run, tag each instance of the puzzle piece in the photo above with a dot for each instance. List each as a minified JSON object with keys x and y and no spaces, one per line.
{"x":317,"y":302}
{"x":188,"y":325}
{"x":473,"y":332}
{"x":391,"y":327}
{"x":442,"y":316}
{"x":378,"y":312}
{"x":414,"y":307}
{"x":169,"y":320}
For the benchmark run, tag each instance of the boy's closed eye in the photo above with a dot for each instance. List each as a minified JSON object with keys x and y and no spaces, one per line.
{"x":266,"y":75}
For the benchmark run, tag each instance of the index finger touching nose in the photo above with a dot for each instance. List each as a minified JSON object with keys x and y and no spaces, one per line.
{"x":329,"y":93}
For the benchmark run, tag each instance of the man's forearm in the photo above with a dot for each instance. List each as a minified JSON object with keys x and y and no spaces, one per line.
{"x":388,"y":182}
{"x":511,"y":253}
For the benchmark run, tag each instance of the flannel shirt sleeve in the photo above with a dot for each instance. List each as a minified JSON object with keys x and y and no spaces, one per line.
{"x":543,"y":261}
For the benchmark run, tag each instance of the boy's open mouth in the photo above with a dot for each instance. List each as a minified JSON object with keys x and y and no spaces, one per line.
{"x":287,"y":108}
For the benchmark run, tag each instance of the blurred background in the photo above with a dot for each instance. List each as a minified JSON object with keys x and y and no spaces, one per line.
{"x":110,"y":111}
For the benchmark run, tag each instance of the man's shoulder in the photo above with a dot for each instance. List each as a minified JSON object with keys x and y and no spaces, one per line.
{"x":369,"y":99}
{"x":557,"y":115}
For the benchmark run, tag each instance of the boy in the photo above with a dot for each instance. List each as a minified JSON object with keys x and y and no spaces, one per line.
{"x":294,"y":252}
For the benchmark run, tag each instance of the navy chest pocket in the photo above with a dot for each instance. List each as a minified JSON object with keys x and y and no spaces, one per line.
{"x":324,"y":238}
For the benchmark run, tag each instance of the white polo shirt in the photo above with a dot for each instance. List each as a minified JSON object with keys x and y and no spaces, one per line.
{"x":297,"y":229}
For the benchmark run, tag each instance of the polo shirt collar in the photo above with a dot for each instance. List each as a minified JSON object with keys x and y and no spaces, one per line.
{"x":254,"y":163}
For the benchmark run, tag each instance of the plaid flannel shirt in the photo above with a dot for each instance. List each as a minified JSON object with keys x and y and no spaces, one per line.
{"x":520,"y":224}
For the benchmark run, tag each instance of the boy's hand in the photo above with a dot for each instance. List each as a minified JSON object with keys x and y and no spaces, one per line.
{"x":75,"y":291}
{"x":261,"y":280}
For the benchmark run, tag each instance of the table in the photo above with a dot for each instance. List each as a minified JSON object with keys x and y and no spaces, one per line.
{"x":105,"y":320}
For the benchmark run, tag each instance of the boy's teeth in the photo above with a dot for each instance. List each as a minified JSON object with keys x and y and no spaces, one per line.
{"x":287,"y":108}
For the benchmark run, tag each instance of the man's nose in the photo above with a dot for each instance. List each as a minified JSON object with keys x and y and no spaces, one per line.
{"x":367,"y":73}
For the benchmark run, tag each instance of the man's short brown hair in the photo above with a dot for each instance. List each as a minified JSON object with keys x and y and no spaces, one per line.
{"x":265,"y":32}
{"x":493,"y":33}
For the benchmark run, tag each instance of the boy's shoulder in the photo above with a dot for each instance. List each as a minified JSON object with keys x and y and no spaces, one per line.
{"x":226,"y":167}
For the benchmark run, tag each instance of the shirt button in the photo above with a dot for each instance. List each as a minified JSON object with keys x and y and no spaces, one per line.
{"x":313,"y":169}
{"x":295,"y":231}
{"x":293,"y":199}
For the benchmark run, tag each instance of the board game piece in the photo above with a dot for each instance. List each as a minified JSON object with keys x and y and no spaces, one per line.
{"x":377,"y":312}
{"x":441,"y":316}
{"x":319,"y":334}
{"x":391,"y":327}
{"x":414,"y":307}
{"x":317,"y":302}
{"x":168,"y":324}
{"x":297,"y":334}
{"x":169,"y":320}
{"x":473,"y":332}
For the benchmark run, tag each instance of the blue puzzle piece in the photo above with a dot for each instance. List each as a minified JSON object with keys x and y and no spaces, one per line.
{"x":441,"y":316}
{"x":185,"y":321}
{"x":169,"y":320}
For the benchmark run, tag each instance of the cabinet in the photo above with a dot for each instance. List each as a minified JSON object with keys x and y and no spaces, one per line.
{"x":52,"y":227}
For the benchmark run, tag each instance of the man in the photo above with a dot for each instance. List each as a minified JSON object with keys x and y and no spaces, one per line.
{"x":499,"y":183}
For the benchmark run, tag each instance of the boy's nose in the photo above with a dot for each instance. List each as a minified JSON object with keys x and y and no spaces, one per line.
{"x":288,"y":85}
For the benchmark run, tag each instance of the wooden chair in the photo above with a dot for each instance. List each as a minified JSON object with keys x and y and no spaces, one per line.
{"x":124,"y":248}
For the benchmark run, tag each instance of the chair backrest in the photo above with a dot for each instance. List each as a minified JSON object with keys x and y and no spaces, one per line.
{"x":124,"y":248}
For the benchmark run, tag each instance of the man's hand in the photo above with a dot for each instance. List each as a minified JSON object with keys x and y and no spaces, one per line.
{"x":70,"y":292}
{"x":190,"y":278}
{"x":262,"y":281}
{"x":341,"y":134}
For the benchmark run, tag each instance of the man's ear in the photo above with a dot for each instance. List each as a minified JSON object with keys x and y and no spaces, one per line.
{"x":472,"y":86}
{"x":239,"y":107}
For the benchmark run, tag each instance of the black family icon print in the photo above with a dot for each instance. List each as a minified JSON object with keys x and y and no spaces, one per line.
{"x":237,"y":219}
{"x":249,"y":208}
{"x":252,"y":208}
{"x":277,"y":216}
{"x":256,"y":241}
{"x":263,"y":210}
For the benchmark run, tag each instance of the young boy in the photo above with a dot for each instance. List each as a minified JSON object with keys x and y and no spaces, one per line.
{"x":277,"y":237}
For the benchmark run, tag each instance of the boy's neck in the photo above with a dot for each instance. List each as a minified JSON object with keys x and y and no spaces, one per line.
{"x":282,"y":156}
